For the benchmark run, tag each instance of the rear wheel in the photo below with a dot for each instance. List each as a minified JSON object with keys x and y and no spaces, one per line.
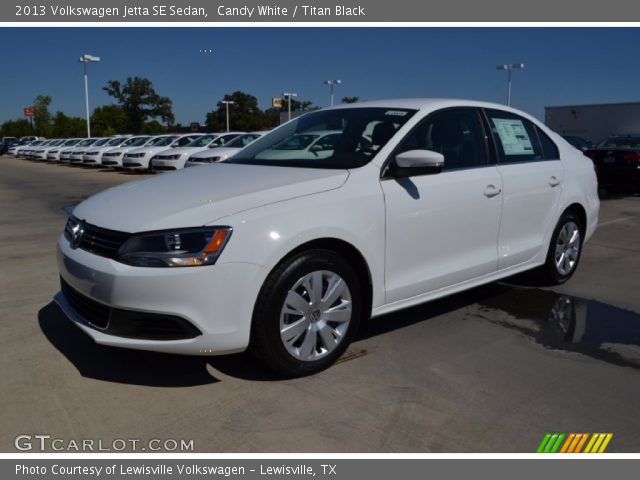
{"x":306,"y":313}
{"x":565,"y":249}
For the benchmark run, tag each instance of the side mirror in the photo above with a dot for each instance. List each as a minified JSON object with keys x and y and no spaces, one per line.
{"x":416,"y":162}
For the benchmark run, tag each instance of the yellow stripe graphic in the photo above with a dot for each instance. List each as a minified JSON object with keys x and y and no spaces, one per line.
{"x":590,"y":444}
{"x":596,"y":445}
{"x":607,"y":439}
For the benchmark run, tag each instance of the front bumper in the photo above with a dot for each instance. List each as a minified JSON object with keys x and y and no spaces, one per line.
{"x":218,"y":300}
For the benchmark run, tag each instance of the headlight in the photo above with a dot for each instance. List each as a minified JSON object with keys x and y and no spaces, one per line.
{"x":173,"y":157}
{"x":134,"y":155}
{"x":190,"y":247}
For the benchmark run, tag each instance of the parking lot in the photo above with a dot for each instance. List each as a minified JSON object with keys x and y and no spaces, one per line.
{"x":489,"y":370}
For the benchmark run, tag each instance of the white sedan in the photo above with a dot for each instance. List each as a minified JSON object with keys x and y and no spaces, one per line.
{"x":287,"y":256}
{"x":220,"y":154}
{"x":140,"y":158}
{"x":113,"y":158}
{"x":53,"y":155}
{"x":93,"y":156}
{"x":175,"y":158}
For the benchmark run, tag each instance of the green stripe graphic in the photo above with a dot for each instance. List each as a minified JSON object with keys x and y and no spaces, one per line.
{"x":550,"y":443}
{"x":558,"y":443}
{"x":543,"y":443}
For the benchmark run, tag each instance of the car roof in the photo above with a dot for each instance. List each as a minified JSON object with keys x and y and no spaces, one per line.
{"x":425,"y":104}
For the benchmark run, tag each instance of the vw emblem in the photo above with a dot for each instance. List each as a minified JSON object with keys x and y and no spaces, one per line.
{"x":76,"y":234}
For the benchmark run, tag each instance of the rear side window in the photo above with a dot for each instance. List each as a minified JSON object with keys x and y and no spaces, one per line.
{"x":549,"y":149}
{"x":515,"y":137}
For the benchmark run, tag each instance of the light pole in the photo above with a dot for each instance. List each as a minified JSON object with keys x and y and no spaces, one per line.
{"x":84,"y":59}
{"x":508,"y":67}
{"x":289,"y":95}
{"x":331,"y":83}
{"x":227,"y":103}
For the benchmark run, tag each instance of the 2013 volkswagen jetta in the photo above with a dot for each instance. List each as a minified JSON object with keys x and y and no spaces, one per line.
{"x":415,"y":200}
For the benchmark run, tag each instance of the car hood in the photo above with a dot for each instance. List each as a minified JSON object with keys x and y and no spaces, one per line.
{"x":199,"y":196}
{"x":217,"y":152}
{"x":179,"y":150}
{"x":150,"y":150}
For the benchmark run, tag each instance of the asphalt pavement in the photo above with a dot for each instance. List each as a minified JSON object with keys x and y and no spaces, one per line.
{"x":489,"y":370}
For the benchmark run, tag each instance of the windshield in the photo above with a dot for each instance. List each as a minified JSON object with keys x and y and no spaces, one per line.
{"x":163,"y":141}
{"x":86,"y":142}
{"x":621,"y":142}
{"x":136,"y":142}
{"x":242,"y":140}
{"x":115,"y":142}
{"x":70,"y":143}
{"x":201,"y":141}
{"x":340,"y":138}
{"x":100,"y":142}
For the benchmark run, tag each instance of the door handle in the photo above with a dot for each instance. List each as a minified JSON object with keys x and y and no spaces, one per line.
{"x":491,"y":191}
{"x":553,"y":181}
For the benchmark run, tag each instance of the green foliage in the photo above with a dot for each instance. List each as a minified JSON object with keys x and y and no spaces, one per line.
{"x":68,"y":127}
{"x":154,"y":128}
{"x":246,"y":116}
{"x":140,"y":102}
{"x":42,"y":116}
{"x":350,"y":99}
{"x":108,"y":120}
{"x":16,"y":128}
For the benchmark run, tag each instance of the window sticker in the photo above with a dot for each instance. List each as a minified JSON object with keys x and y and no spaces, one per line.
{"x":513,"y":135}
{"x":396,"y":113}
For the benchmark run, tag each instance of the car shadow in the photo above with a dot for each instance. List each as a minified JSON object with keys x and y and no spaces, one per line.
{"x":120,"y":365}
{"x":165,"y":370}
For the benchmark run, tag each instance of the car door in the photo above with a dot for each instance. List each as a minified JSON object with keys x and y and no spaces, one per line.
{"x":442,"y":229}
{"x":532,"y":175}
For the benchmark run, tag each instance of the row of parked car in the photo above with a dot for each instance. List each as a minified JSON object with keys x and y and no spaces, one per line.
{"x":139,"y":152}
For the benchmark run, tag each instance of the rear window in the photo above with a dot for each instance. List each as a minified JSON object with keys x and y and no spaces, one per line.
{"x":632,"y":143}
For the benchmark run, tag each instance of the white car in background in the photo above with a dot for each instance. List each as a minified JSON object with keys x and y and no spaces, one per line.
{"x":287,"y":256}
{"x":41,"y":152}
{"x":175,"y":158}
{"x":93,"y":156}
{"x":222,"y":153}
{"x":113,"y":158}
{"x":140,"y":158}
{"x":53,"y":155}
{"x":18,"y":150}
{"x":76,"y":154}
{"x":26,"y":150}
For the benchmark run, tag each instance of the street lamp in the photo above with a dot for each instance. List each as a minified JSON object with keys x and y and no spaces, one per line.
{"x":289,"y":95}
{"x":227,"y":103}
{"x":84,"y":59}
{"x":331,"y":83}
{"x":508,"y":67}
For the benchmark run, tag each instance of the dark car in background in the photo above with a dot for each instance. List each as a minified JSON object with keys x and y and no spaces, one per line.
{"x":6,"y":144}
{"x":578,"y":142}
{"x":617,"y":163}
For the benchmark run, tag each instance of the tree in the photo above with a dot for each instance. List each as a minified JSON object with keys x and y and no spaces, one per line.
{"x":244,"y":114}
{"x":300,"y":105}
{"x":153,"y":128}
{"x":64,"y":126}
{"x":16,"y":128}
{"x":108,"y":120}
{"x":350,"y":99}
{"x":42,"y":116}
{"x":140,"y":102}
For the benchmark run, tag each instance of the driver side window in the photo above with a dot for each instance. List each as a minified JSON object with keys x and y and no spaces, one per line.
{"x":457,"y":134}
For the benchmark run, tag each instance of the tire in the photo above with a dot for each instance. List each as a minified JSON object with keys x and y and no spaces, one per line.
{"x":299,"y":330}
{"x":565,"y":250}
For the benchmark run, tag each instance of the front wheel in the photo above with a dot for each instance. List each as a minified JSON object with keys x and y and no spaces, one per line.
{"x":306,"y":314}
{"x":565,"y":249}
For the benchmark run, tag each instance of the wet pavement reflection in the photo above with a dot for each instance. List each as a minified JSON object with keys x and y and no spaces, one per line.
{"x":564,"y":322}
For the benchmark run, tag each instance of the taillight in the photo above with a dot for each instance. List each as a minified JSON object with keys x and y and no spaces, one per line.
{"x":592,"y":154}
{"x":631,"y":157}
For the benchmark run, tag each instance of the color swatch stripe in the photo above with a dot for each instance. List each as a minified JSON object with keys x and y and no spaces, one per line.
{"x":558,"y":442}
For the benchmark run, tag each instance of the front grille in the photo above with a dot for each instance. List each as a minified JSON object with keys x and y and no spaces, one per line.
{"x":95,"y":313}
{"x":128,"y":323}
{"x":102,"y":241}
